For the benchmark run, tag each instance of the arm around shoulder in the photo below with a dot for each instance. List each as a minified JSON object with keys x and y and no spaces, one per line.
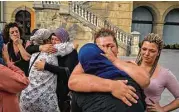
{"x":33,"y":49}
{"x":140,"y":75}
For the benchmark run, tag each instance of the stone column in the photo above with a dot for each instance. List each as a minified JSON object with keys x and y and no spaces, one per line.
{"x":158,"y":28}
{"x":135,"y":43}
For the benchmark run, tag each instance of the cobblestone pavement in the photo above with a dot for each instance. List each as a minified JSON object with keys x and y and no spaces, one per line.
{"x":169,"y":59}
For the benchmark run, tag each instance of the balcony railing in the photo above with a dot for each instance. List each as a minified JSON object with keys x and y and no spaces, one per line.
{"x":47,"y":4}
{"x":122,"y":37}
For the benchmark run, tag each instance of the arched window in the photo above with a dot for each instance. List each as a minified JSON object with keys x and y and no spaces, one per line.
{"x":24,"y":18}
{"x":142,"y":20}
{"x":171,"y":27}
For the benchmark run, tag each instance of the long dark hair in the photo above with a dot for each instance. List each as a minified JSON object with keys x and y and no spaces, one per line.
{"x":152,"y":38}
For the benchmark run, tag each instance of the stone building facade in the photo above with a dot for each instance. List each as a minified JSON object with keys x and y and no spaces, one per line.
{"x":121,"y":15}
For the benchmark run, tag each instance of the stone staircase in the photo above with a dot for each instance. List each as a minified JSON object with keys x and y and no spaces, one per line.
{"x":95,"y":23}
{"x":80,"y":11}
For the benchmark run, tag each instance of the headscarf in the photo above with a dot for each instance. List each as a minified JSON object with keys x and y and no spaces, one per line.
{"x":62,"y":34}
{"x":94,"y":63}
{"x":40,"y":35}
{"x":1,"y":46}
{"x":33,"y":31}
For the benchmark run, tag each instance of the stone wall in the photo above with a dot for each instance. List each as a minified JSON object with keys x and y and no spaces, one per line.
{"x":119,"y":13}
{"x":159,"y":11}
{"x":12,"y":7}
{"x":53,"y":19}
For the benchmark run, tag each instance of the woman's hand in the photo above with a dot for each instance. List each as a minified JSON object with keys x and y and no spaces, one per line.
{"x":28,"y":43}
{"x":124,"y":92}
{"x":75,"y":44}
{"x":48,"y":48}
{"x":39,"y":65}
{"x":5,"y":54}
{"x":154,"y":107}
{"x":15,"y":38}
{"x":17,"y":41}
{"x":108,"y":53}
{"x":25,"y":55}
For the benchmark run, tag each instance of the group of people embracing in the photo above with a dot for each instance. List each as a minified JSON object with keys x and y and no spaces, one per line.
{"x":97,"y":80}
{"x":48,"y":58}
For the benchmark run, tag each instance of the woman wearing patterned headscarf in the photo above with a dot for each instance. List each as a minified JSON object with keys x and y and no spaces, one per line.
{"x":12,"y":81}
{"x":161,"y":77}
{"x":40,"y":95}
{"x":66,"y":64}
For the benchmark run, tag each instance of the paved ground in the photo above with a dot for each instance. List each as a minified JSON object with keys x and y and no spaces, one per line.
{"x":168,"y":59}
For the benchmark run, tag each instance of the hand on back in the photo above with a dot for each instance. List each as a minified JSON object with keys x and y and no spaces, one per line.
{"x":39,"y":65}
{"x":122,"y":91}
{"x":108,"y":53}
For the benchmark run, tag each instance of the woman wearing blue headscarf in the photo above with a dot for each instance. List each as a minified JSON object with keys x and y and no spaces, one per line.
{"x":94,"y":63}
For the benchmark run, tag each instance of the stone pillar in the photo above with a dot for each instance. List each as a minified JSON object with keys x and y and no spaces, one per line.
{"x":135,"y":43}
{"x":158,"y":28}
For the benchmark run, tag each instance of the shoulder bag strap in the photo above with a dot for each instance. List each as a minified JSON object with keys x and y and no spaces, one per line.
{"x":33,"y":62}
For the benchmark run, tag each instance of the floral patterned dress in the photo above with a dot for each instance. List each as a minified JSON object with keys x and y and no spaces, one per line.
{"x":40,"y":95}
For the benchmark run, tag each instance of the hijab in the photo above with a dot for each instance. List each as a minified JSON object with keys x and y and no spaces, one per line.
{"x":94,"y":63}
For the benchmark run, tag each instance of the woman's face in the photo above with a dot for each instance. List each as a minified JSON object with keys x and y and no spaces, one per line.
{"x":149,"y":52}
{"x":14,"y":33}
{"x":55,"y":40}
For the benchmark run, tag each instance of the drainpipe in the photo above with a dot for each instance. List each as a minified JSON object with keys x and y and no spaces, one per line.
{"x":2,"y":11}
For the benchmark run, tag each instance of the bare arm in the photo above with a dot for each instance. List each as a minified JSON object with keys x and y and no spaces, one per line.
{"x":81,"y":82}
{"x":33,"y":48}
{"x":172,"y":84}
{"x":135,"y":72}
{"x":25,"y":55}
{"x":171,"y":106}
